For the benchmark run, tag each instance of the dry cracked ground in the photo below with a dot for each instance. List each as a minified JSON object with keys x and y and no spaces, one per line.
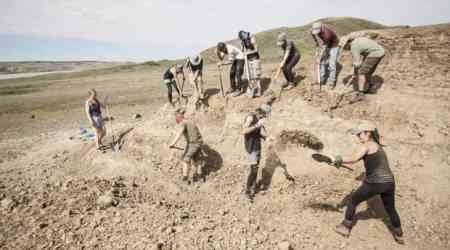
{"x":58,"y":192}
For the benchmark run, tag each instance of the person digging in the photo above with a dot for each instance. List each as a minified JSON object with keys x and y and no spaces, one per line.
{"x":236,"y":59}
{"x":366,"y":56}
{"x":194,"y":66}
{"x":169,"y":80}
{"x":327,"y":44}
{"x":291,"y":56}
{"x":254,"y":131}
{"x":253,"y":63}
{"x":192,"y":151}
{"x":379,"y":179}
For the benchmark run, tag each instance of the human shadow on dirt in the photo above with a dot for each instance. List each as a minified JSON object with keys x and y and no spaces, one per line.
{"x":377,"y":83}
{"x":330,"y":207}
{"x":273,"y":161}
{"x":212,"y":160}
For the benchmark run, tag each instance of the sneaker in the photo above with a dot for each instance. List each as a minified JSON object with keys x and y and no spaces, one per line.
{"x":342,"y":230}
{"x":289,"y":86}
{"x":398,"y":235}
{"x":236,"y":93}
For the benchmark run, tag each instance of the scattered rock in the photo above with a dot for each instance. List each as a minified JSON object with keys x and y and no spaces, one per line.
{"x":32,"y":116}
{"x":106,"y":201}
{"x":137,"y":116}
{"x":7,"y":204}
{"x":284,"y":245}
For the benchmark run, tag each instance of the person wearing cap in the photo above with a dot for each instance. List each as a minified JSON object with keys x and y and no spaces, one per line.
{"x":253,"y":131}
{"x":366,"y":55}
{"x":237,"y":61}
{"x":194,"y":65}
{"x":291,"y":57}
{"x":379,"y":179}
{"x":253,"y":60}
{"x":194,"y":142}
{"x":169,"y":80}
{"x":328,"y":53}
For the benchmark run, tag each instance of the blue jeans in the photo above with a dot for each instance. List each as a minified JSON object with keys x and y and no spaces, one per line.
{"x":332,"y":62}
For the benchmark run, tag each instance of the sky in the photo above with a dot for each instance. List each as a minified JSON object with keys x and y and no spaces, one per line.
{"x":143,"y":30}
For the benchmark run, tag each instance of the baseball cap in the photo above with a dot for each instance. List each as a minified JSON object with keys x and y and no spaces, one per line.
{"x":316,"y":27}
{"x":282,"y":37}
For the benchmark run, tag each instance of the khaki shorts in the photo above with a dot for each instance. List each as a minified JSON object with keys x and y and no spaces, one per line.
{"x":192,"y":152}
{"x":369,"y":65}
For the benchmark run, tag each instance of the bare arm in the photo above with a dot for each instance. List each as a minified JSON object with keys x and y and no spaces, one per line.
{"x":177,"y":136}
{"x":246,"y":129}
{"x":86,"y":108}
{"x":352,"y":159}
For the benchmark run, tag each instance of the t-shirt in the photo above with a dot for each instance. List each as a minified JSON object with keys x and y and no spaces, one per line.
{"x":191,"y":133}
{"x":234,"y":53}
{"x":365,"y":47}
{"x":252,"y":140}
{"x":328,"y":37}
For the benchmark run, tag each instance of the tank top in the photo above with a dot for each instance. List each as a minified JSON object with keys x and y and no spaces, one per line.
{"x":248,"y":45}
{"x":94,"y":109}
{"x":253,"y":140}
{"x":377,"y":168}
{"x":196,"y":67}
{"x":168,"y":75}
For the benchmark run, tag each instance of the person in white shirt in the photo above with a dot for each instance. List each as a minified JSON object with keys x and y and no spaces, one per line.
{"x":236,"y":59}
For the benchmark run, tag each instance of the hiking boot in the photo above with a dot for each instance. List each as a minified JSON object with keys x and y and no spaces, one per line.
{"x":250,"y":195}
{"x":398,"y":235}
{"x":343,"y":228}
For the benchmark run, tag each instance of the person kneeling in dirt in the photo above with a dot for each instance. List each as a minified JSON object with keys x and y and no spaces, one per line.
{"x":379,"y":179}
{"x":290,"y":59}
{"x":253,"y":131}
{"x":169,"y":80}
{"x":194,"y":66}
{"x":253,"y":62}
{"x":236,"y":59}
{"x":366,"y":55}
{"x":194,"y":142}
{"x":94,"y":114}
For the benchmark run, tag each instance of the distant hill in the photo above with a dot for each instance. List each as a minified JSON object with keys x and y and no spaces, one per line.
{"x":52,"y":66}
{"x":301,"y":35}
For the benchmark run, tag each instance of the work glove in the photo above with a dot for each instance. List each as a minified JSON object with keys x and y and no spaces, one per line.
{"x":337,"y":161}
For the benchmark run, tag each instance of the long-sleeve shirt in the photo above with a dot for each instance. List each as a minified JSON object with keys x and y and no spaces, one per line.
{"x":365,"y":47}
{"x":328,"y":37}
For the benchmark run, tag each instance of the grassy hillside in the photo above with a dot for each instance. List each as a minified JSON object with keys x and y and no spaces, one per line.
{"x":301,"y":35}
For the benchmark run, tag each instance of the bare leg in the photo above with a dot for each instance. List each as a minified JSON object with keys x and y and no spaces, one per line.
{"x":362,"y":83}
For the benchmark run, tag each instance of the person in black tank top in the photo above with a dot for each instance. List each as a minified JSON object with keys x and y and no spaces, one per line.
{"x":253,"y":132}
{"x":379,"y":180}
{"x":94,"y":115}
{"x":169,"y":80}
{"x":290,"y":58}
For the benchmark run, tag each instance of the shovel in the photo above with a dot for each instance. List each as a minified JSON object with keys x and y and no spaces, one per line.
{"x":220,"y":81}
{"x":326,"y":159}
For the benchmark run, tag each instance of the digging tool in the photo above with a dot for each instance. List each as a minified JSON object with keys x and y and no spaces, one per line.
{"x":220,"y":80}
{"x":326,"y":159}
{"x":249,"y":87}
{"x":175,"y":147}
{"x":114,"y":144}
{"x":318,"y":70}
{"x":275,"y":78}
